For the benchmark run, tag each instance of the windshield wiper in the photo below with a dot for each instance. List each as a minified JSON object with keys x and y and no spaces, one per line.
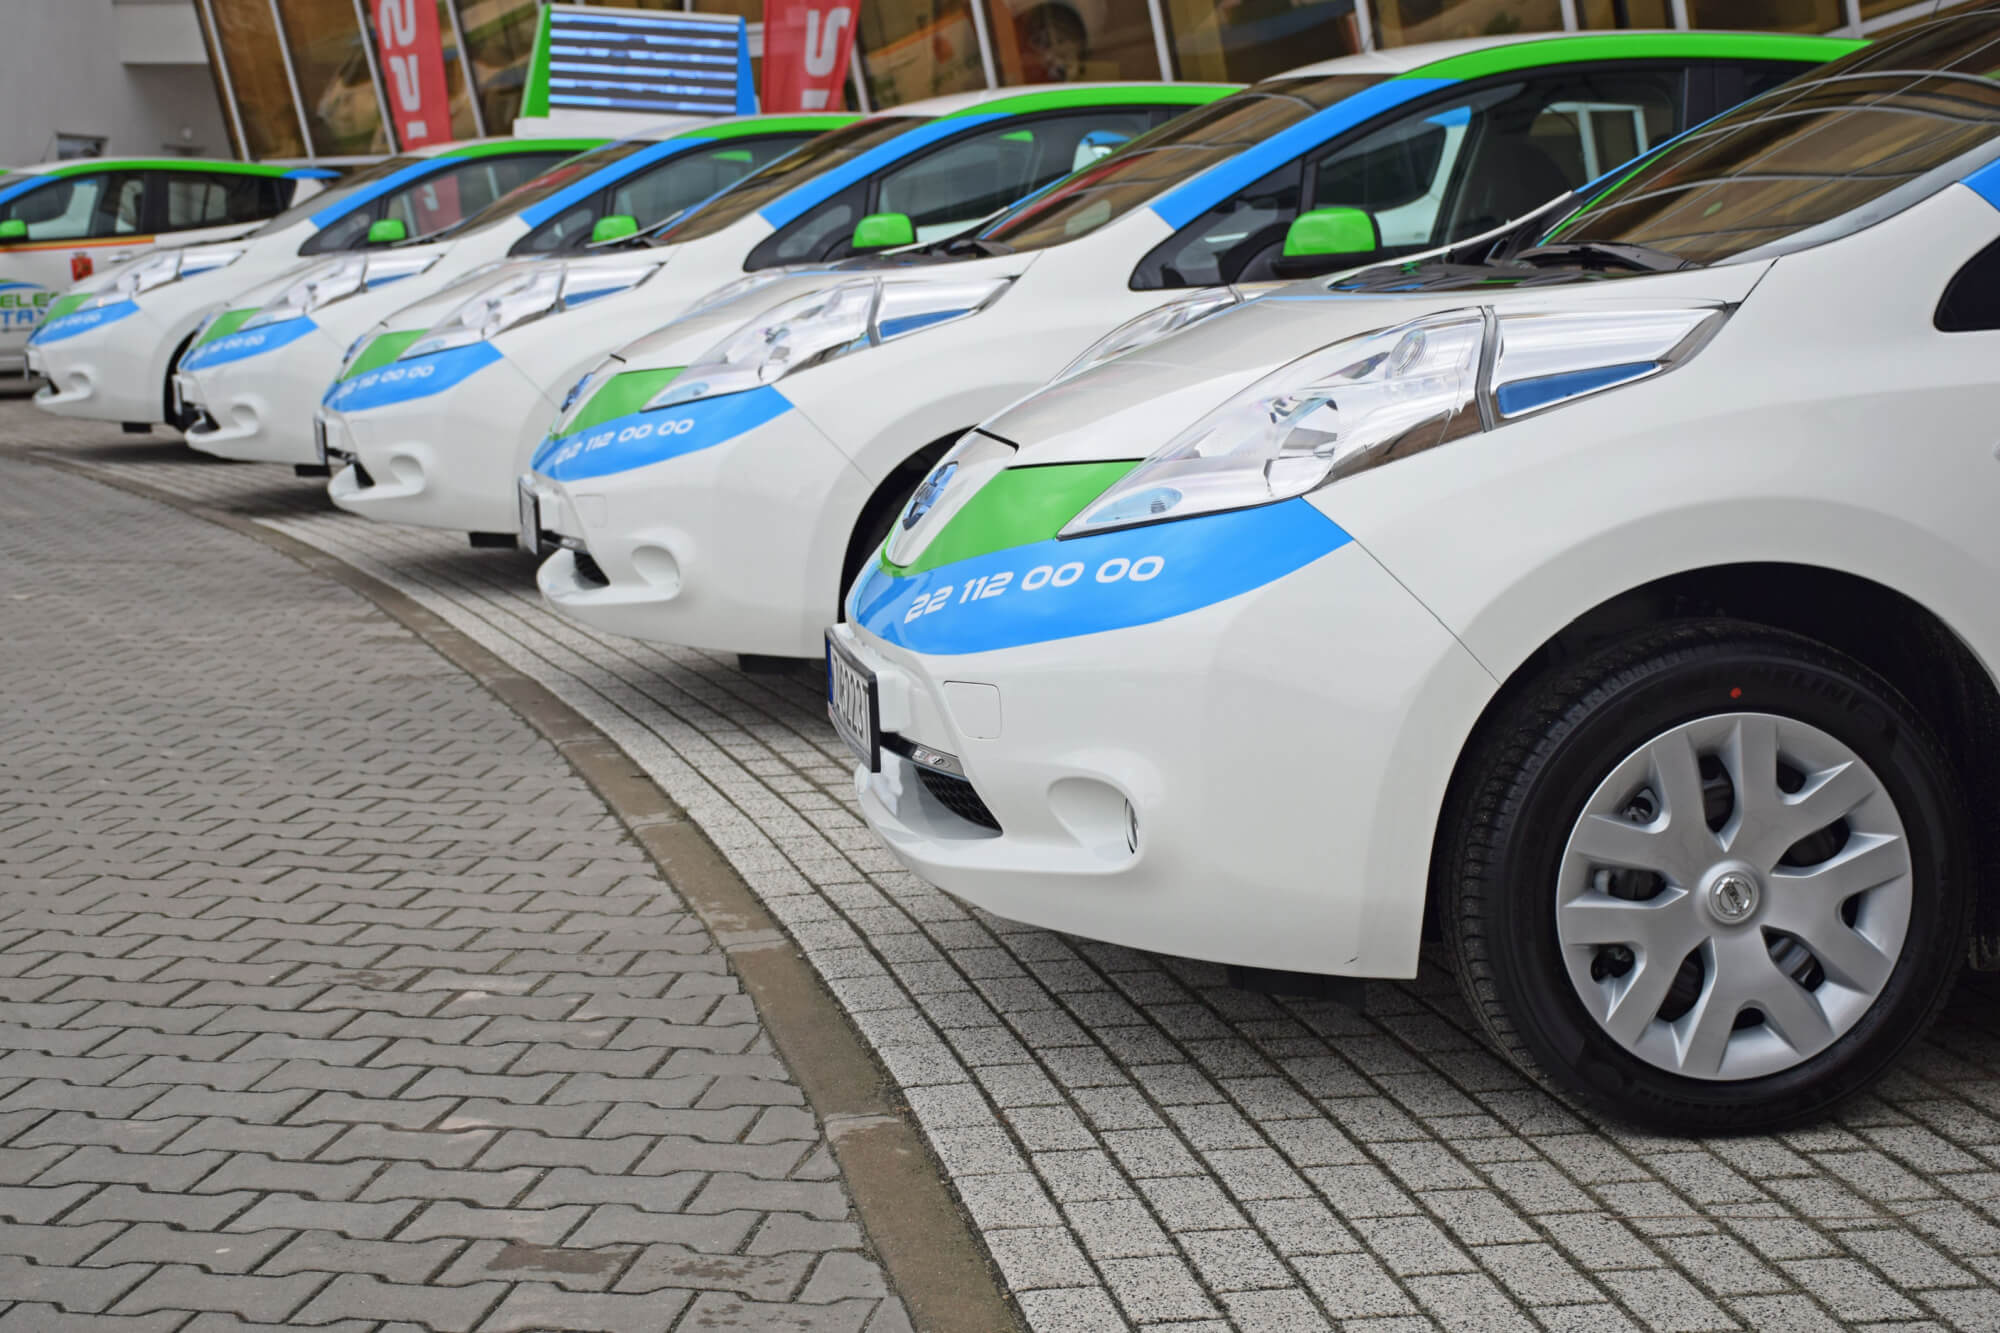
{"x":968,"y":246}
{"x":1602,"y":254}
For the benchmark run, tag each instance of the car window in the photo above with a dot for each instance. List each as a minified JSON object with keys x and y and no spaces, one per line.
{"x":819,"y":155}
{"x":192,"y":199}
{"x":947,"y":190}
{"x":438,"y":200}
{"x":681,"y":182}
{"x":1172,"y":155}
{"x":819,"y":233}
{"x":333,"y":195}
{"x":74,"y":208}
{"x":1971,"y":302}
{"x":1806,"y":161}
{"x":1445,"y":170}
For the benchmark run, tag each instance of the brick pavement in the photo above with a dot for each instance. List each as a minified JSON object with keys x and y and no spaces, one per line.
{"x":1143,"y":1146}
{"x":331,"y":996}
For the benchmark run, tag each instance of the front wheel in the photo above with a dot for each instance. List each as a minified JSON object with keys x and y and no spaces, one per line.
{"x":1711,"y":878}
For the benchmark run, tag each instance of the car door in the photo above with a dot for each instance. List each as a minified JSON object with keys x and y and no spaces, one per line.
{"x":1444,"y":168}
{"x":74,"y":225}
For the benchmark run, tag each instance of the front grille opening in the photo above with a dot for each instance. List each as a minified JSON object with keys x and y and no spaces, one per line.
{"x":957,"y":796}
{"x":588,"y":570}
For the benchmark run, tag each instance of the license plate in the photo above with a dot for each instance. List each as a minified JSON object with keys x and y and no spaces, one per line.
{"x":530,"y":528}
{"x":319,"y":439}
{"x":852,"y":701}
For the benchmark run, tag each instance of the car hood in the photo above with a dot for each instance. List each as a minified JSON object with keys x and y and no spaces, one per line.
{"x":1134,"y":404}
{"x":730,"y":307}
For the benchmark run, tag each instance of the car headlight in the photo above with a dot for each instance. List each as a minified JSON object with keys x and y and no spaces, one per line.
{"x":813,"y":329}
{"x":1370,"y":400}
{"x":1151,"y":327}
{"x":161,"y":269}
{"x":543,"y":290}
{"x":336,"y":280}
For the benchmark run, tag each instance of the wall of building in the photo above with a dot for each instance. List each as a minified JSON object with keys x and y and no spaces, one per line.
{"x":133,"y":72}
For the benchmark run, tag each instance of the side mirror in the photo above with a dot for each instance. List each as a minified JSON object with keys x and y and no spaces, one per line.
{"x":13,"y":229}
{"x":1324,"y":239}
{"x":613,"y":227}
{"x":387,"y":231}
{"x":879,"y":231}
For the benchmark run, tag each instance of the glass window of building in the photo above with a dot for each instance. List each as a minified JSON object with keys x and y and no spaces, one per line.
{"x":336,"y":81}
{"x":457,"y":94}
{"x":500,"y":43}
{"x":912,"y":49}
{"x":1768,"y":15}
{"x":1060,"y":41}
{"x":248,"y":37}
{"x":1401,"y":22}
{"x":1243,"y":41}
{"x":1624,"y":14}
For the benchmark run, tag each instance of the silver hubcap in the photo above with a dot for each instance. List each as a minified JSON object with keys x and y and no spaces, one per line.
{"x":1734,"y":896}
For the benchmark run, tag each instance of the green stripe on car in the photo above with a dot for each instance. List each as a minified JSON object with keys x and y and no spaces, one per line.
{"x":768,"y":125}
{"x":164,"y":164}
{"x":1137,"y":94}
{"x":1018,"y":506}
{"x":225,"y":324}
{"x":382,"y":351}
{"x":1635,"y":46}
{"x":621,"y":395}
{"x":507,"y":146}
{"x":62,"y":305}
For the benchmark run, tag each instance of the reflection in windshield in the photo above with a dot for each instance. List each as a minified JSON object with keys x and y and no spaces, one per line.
{"x":1177,"y":151}
{"x":558,"y":177}
{"x":1811,"y":151}
{"x":760,"y":187}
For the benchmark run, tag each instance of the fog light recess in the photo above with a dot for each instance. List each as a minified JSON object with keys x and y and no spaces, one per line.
{"x":1097,"y":815}
{"x":657,"y":565}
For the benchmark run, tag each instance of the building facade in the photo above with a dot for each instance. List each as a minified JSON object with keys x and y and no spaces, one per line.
{"x":297,"y":79}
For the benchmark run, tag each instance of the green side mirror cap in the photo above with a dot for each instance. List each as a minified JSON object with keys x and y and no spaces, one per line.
{"x":1333,"y":231}
{"x":879,"y":231}
{"x":612,"y":227}
{"x":13,"y":229}
{"x":387,"y":231}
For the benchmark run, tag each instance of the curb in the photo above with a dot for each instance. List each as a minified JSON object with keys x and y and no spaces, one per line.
{"x":935,"y":1261}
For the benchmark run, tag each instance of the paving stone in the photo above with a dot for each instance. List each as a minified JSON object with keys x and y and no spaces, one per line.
{"x":179,"y":1287}
{"x":1348,"y":1142}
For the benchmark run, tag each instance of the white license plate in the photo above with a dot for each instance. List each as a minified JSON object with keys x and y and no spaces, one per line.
{"x":530,"y":528}
{"x":852,"y":702}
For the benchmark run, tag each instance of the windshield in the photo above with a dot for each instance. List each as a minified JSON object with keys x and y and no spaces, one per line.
{"x":759,"y":188}
{"x":558,"y":177}
{"x":340,"y":190}
{"x":1817,"y":149}
{"x":1154,"y":163}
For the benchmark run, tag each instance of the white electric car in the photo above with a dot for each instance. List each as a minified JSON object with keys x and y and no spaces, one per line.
{"x":443,"y":408}
{"x":109,"y":346}
{"x":254,"y":375}
{"x":62,"y":221}
{"x":1622,"y":598}
{"x":725,"y":506}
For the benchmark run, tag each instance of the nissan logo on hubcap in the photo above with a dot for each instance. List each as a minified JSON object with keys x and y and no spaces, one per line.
{"x":1732,"y":897}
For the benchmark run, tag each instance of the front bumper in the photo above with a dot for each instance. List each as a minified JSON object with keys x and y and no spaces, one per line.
{"x":260,"y":408}
{"x":114,"y":372}
{"x":447,"y":460}
{"x":1255,"y":782}
{"x":736,"y":547}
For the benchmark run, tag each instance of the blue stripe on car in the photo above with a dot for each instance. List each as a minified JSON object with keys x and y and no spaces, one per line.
{"x":1986,"y":182}
{"x":81,"y":321}
{"x":810,"y":194}
{"x":242,"y":345}
{"x":1185,"y":203}
{"x":1061,"y":589}
{"x":368,"y":194}
{"x":418,"y":377}
{"x":640,"y":439}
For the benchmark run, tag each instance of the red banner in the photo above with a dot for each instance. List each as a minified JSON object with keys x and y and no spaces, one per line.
{"x":807,"y":44}
{"x":406,"y":32}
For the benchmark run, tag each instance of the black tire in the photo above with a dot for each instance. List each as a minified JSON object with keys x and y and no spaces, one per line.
{"x":1520,"y":793}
